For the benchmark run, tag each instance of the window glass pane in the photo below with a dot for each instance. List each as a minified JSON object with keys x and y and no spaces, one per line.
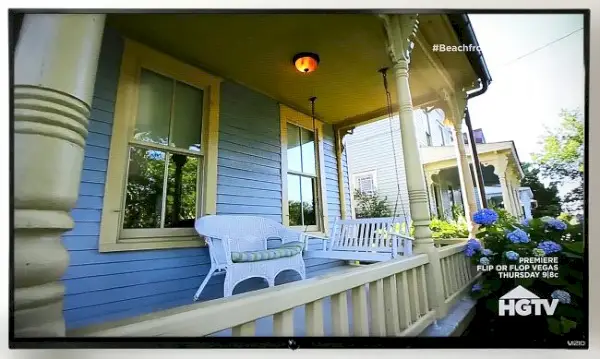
{"x":308,"y":186}
{"x":294,"y":200}
{"x":294,"y":158}
{"x":308,"y":151}
{"x":144,"y":188}
{"x":365,"y":184}
{"x":181,"y":191}
{"x":187,"y":117}
{"x":154,"y":108}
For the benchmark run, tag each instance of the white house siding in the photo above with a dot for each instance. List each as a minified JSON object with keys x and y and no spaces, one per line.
{"x":370,"y":149}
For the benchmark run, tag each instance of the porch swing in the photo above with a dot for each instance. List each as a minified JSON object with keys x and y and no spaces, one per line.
{"x":369,"y":239}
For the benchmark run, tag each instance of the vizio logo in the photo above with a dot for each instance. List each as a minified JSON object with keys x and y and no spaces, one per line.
{"x":522,"y":302}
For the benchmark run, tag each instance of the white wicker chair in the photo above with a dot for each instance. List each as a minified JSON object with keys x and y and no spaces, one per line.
{"x":238,"y":247}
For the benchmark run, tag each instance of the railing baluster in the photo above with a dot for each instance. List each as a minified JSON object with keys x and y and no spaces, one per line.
{"x":463,"y":273}
{"x":345,"y":234}
{"x":469,"y":267}
{"x":466,"y":262}
{"x":377,"y":308}
{"x":375,"y":228}
{"x":360,"y":232}
{"x":457,"y":279}
{"x":390,"y":299}
{"x":360,"y":239}
{"x":339,"y":314}
{"x":444,"y":277}
{"x":454,"y":277}
{"x":244,"y":330}
{"x":414,"y":294}
{"x":314,"y":319}
{"x":283,"y":324}
{"x":360,"y":311}
{"x":423,"y":289}
{"x":403,"y":300}
{"x":449,"y":277}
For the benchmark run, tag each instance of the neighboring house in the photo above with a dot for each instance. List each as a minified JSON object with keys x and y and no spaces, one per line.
{"x":373,"y":147}
{"x":527,"y":201}
{"x":130,"y":126}
{"x":371,"y":156}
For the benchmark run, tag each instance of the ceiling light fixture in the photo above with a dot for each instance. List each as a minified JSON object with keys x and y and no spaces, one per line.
{"x":306,"y":62}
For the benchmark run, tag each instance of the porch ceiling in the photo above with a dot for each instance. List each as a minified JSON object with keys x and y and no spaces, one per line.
{"x":256,"y":50}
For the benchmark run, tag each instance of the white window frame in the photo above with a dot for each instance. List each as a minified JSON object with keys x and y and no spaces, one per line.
{"x":112,"y":235}
{"x":356,"y":177}
{"x":290,"y":116}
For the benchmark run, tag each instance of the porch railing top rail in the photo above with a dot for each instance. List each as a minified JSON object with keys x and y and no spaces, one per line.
{"x":451,"y":249}
{"x":211,"y":317}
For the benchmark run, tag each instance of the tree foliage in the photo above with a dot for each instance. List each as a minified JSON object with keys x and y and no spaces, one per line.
{"x":371,"y":205}
{"x":548,"y":201}
{"x":562,"y":156}
{"x":144,"y":195}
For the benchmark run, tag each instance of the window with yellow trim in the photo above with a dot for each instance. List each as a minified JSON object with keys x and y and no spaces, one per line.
{"x":162,"y":164}
{"x":164,"y":172}
{"x":302,"y":168}
{"x":302,"y":179}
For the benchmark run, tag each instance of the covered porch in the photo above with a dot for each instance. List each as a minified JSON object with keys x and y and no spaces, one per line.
{"x":87,"y":104}
{"x":501,"y":172}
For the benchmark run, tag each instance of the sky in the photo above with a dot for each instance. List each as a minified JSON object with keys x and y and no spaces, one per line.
{"x":527,"y":94}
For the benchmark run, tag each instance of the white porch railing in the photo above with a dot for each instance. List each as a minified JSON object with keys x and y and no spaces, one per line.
{"x":386,"y":299}
{"x":457,"y":273}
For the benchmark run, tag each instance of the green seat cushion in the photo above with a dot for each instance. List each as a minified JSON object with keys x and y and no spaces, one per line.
{"x":287,"y":250}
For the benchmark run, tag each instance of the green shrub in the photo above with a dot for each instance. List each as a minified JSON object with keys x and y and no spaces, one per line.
{"x":371,"y":205}
{"x":443,"y":229}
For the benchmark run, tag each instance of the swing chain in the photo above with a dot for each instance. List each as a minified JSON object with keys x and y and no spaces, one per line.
{"x":388,"y":96}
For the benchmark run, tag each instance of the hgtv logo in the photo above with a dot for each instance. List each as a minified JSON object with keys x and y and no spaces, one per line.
{"x":522,"y":302}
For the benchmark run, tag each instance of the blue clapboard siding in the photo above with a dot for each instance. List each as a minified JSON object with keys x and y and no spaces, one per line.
{"x":102,"y":287}
{"x":107,"y":286}
{"x":249,"y":167}
{"x":331,"y":176}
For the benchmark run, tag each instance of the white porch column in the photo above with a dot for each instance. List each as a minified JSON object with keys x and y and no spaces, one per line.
{"x":55,"y":69}
{"x":400,"y":29}
{"x":500,"y":169}
{"x":477,"y":184}
{"x":454,"y":110}
{"x":430,"y":190}
{"x":517,"y":200}
{"x":510,"y":179}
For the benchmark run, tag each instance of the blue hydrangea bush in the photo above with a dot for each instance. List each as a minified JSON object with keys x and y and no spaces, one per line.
{"x":502,"y":239}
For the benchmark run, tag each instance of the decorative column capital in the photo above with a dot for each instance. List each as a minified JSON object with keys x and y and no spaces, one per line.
{"x":430,"y":173}
{"x":400,"y":30}
{"x":500,"y":166}
{"x":342,"y":133}
{"x":454,"y":105}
